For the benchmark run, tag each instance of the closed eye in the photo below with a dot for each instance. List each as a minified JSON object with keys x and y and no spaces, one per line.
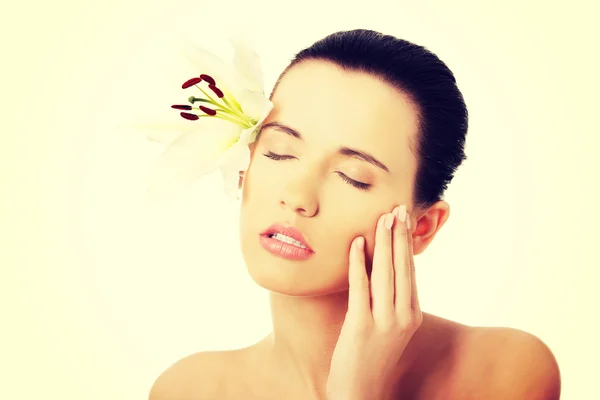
{"x":277,"y":156}
{"x":356,"y":184}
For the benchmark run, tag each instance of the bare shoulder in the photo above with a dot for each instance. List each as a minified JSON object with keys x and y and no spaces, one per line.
{"x":198,"y":376}
{"x":503,"y":363}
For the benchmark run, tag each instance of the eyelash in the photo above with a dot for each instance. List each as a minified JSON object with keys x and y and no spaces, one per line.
{"x":356,"y":184}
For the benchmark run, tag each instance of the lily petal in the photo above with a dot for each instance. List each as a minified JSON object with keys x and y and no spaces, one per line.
{"x":237,"y":158}
{"x":198,"y":150}
{"x":191,"y":156}
{"x":161,"y":132}
{"x":231,"y":171}
{"x":247,"y":63}
{"x":255,"y":104}
{"x":227,"y":78}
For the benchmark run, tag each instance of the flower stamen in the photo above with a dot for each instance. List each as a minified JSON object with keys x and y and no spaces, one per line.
{"x":217,"y":91}
{"x":227,"y":108}
{"x":208,"y":111}
{"x":208,"y":78}
{"x":181,"y":107}
{"x":191,"y":117}
{"x":191,"y":82}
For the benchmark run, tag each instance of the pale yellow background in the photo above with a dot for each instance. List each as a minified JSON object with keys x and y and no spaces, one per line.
{"x":102,"y":289}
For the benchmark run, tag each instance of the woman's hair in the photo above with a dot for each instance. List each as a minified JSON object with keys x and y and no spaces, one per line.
{"x":429,"y":84}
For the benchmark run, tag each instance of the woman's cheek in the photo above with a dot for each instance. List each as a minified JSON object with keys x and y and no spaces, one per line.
{"x":263,"y":173}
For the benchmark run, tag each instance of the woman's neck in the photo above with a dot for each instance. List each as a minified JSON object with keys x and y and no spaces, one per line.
{"x":305,"y":332}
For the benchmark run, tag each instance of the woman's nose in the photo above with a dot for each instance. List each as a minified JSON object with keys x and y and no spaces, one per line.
{"x":300,"y":197}
{"x":305,"y":209}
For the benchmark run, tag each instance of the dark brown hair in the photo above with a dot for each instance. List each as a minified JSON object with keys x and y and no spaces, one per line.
{"x":426,"y":80}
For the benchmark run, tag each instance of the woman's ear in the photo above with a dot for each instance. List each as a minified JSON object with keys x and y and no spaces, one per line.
{"x":427,"y":224}
{"x":241,"y":180}
{"x":252,"y":147}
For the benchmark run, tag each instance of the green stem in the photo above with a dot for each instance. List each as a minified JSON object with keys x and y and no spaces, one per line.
{"x":198,"y":99}
{"x":218,"y":107}
{"x":236,"y":121}
{"x":220,"y":115}
{"x":236,"y":105}
{"x":232,"y":107}
{"x":231,"y":110}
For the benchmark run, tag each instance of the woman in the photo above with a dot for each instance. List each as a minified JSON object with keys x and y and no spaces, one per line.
{"x":366,"y":133}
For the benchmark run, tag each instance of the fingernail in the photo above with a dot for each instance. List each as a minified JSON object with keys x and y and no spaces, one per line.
{"x":389,"y":221}
{"x":359,"y":245}
{"x":402,"y":213}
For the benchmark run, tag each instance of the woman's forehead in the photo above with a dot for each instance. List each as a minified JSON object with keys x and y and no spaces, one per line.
{"x":322,"y":100}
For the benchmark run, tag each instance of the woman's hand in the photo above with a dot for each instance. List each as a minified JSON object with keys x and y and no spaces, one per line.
{"x":382,"y":316}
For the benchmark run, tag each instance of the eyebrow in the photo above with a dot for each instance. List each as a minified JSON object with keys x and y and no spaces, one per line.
{"x":346,"y":151}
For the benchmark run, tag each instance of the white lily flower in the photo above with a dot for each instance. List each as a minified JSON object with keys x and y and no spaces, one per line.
{"x":232,"y":105}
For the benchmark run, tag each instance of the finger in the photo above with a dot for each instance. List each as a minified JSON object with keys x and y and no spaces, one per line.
{"x":358,"y":294}
{"x":402,"y":266}
{"x":382,"y":277}
{"x":413,"y":274}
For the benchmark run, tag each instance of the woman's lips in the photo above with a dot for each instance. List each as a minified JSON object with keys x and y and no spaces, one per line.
{"x":289,"y":231}
{"x":284,"y":250}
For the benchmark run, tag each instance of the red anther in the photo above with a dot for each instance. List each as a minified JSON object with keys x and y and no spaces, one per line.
{"x":181,"y":107}
{"x":208,"y":79}
{"x":191,"y":117}
{"x":191,"y":82}
{"x":217,"y":91}
{"x":208,"y":111}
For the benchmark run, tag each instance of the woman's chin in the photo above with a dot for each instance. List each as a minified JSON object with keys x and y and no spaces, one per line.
{"x":285,"y":281}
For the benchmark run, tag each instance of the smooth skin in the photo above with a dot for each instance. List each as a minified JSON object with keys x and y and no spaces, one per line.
{"x":383,"y":314}
{"x":379,"y":329}
{"x":326,"y":343}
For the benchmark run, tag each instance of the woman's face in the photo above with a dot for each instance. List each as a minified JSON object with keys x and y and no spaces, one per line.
{"x":312,"y":188}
